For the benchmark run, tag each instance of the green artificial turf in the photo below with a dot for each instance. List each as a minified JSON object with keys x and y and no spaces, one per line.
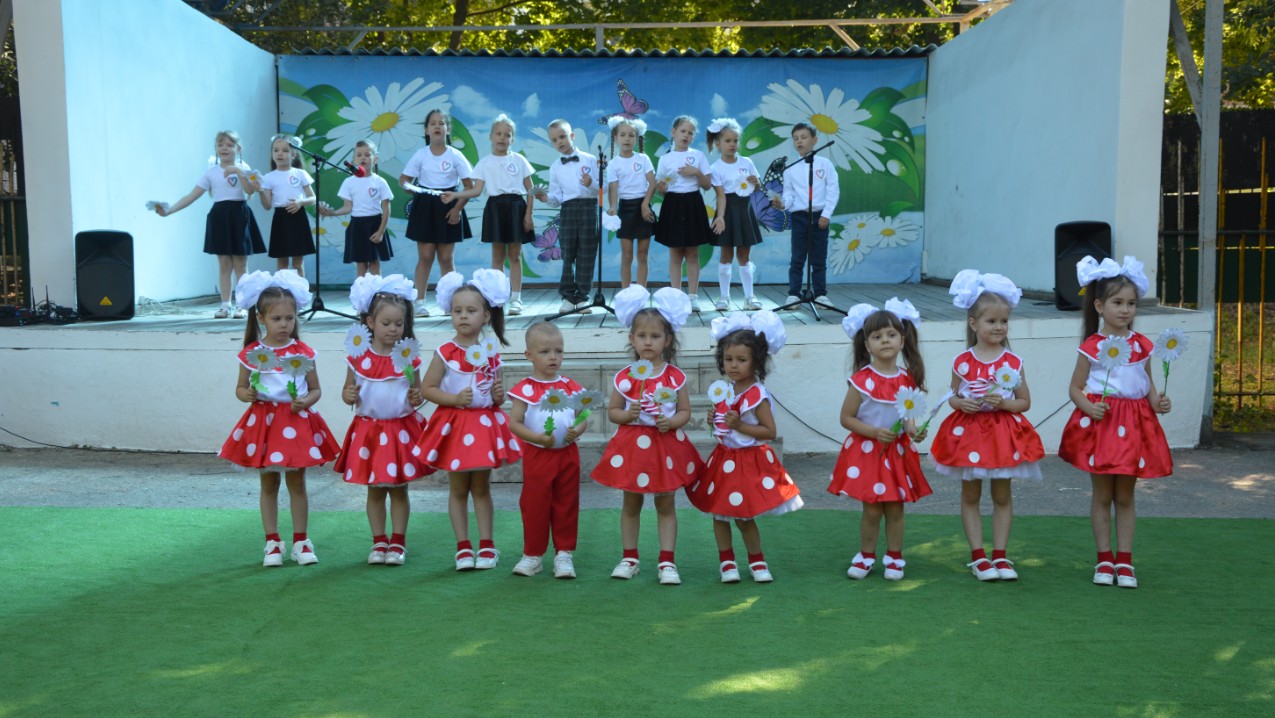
{"x":142,"y":612}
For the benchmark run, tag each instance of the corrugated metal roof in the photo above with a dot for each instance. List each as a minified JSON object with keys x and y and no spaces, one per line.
{"x":845,"y":52}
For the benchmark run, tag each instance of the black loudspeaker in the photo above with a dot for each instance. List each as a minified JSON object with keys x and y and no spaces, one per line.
{"x":1072,"y":241}
{"x":104,"y":274}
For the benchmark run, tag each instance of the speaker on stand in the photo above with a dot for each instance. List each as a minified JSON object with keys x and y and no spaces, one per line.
{"x":104,"y":274}
{"x":1072,"y":241}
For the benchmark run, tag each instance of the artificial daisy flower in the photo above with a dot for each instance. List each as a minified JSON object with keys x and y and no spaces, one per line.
{"x":476,"y":355}
{"x":393,"y":121}
{"x":587,"y":399}
{"x":1168,"y":347}
{"x":641,"y":370}
{"x":263,"y":358}
{"x":835,"y":117}
{"x":664,"y":395}
{"x":555,"y":400}
{"x":1007,"y":378}
{"x":720,"y":392}
{"x":1112,"y":352}
{"x":357,"y":340}
{"x":404,"y":355}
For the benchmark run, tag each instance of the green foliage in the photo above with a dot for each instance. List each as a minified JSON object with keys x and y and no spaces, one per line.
{"x":1248,"y":55}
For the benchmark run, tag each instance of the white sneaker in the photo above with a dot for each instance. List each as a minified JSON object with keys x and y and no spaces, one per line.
{"x":465,"y":559}
{"x":528,"y":565}
{"x":722,"y":304}
{"x":396,"y":555}
{"x":420,"y":309}
{"x":566,"y":306}
{"x":730,"y":572}
{"x":790,"y":301}
{"x":668,"y":574}
{"x":377,"y":556}
{"x":563,"y":565}
{"x":760,"y":572}
{"x":822,"y":299}
{"x":515,"y":307}
{"x":240,"y":313}
{"x":1005,"y":569}
{"x":860,"y":567}
{"x":487,"y":558}
{"x":303,"y":553}
{"x":694,"y":302}
{"x":274,"y":554}
{"x":983,"y":570}
{"x":893,"y":568}
{"x":223,"y":312}
{"x":585,"y":307}
{"x":627,"y":568}
{"x":754,"y":303}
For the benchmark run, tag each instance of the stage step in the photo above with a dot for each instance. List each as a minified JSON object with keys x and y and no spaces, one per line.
{"x":597,"y":373}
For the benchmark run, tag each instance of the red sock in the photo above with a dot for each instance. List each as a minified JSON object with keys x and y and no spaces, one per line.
{"x":868,"y":555}
{"x":979,"y":554}
{"x":629,"y":553}
{"x":1106,"y":556}
{"x":896,"y":555}
{"x":380,"y":538}
{"x":298,"y":537}
{"x":727,"y":555}
{"x":998,"y":553}
{"x":400,"y":539}
{"x":755,"y":557}
{"x":1124,"y":557}
{"x":464,"y":546}
{"x":273,"y":537}
{"x":666,"y":556}
{"x":486,"y":543}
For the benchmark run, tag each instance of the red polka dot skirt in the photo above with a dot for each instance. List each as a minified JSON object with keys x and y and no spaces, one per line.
{"x":642,"y":460}
{"x":743,"y":484}
{"x":383,"y":452}
{"x":270,"y":434}
{"x":461,"y":439}
{"x":987,"y":444}
{"x":1127,"y":442}
{"x":872,"y":474}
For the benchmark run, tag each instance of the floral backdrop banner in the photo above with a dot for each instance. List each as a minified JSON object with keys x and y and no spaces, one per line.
{"x":872,"y":109}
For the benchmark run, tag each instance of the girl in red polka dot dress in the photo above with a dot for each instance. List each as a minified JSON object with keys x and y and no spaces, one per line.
{"x":469,"y":433}
{"x":380,"y":449}
{"x":743,"y":479}
{"x":987,"y":437}
{"x":877,"y":465}
{"x":280,"y":433}
{"x":649,"y":453}
{"x":1113,"y":433}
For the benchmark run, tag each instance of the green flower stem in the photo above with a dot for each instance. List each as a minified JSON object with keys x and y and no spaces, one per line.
{"x":582,"y":417}
{"x":255,"y":380}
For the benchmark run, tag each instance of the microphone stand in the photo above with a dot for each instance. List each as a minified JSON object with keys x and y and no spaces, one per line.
{"x":807,"y":295}
{"x":598,"y":300}
{"x":317,"y":305}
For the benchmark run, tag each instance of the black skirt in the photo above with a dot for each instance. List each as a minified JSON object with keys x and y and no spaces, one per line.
{"x":683,"y":221}
{"x":290,"y":234}
{"x":502,"y":220}
{"x":232,"y":230}
{"x":427,"y":222}
{"x":358,"y":248}
{"x":742,"y":229}
{"x":632,"y":224}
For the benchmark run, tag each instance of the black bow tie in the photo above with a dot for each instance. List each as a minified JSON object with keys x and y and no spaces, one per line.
{"x":572,"y":158}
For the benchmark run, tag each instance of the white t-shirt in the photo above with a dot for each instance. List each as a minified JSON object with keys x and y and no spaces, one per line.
{"x":443,"y":171}
{"x":221,"y":187}
{"x":285,"y":185}
{"x":630,"y":174}
{"x":732,"y":177}
{"x":503,"y":175}
{"x":366,"y":193}
{"x":670,"y":163}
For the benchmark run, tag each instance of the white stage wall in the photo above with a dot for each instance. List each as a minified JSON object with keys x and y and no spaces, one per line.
{"x":1048,"y":112}
{"x":120,"y":104}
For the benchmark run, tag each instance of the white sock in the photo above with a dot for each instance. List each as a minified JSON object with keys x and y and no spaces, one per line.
{"x":723,"y":280}
{"x":746,"y":278}
{"x":515,"y":296}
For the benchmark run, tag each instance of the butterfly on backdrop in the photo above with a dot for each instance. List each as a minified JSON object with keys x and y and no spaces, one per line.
{"x":772,"y":185}
{"x":632,"y":106}
{"x":547,"y":242}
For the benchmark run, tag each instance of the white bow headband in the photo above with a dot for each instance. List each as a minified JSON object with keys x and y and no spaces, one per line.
{"x":672,"y":304}
{"x":900,"y":308}
{"x":370,"y":285}
{"x":765,"y":322}
{"x":968,"y":284}
{"x":1090,"y":270}
{"x":250,"y":287}
{"x":638,"y":125}
{"x":491,"y":283}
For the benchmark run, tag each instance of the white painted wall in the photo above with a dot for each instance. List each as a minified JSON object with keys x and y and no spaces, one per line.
{"x":120,"y":104}
{"x":1048,"y":112}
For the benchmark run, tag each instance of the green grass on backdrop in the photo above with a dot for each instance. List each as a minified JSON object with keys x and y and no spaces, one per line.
{"x":141,"y":612}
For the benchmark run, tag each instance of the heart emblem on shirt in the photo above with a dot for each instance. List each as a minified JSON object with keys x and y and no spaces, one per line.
{"x":819,"y":174}
{"x":637,"y":166}
{"x":233,"y":180}
{"x":584,"y":170}
{"x":511,"y":168}
{"x":445,"y":165}
{"x":371,"y":192}
{"x":690,"y":160}
{"x":294,"y":180}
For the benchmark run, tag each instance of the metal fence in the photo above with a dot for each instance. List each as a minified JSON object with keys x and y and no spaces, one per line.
{"x":1245,"y":277}
{"x":15,"y":268}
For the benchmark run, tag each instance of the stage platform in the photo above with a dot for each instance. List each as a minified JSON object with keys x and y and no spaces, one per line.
{"x":164,"y":380}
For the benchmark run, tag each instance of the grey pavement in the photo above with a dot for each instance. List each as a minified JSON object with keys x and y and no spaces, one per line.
{"x":1233,"y":479}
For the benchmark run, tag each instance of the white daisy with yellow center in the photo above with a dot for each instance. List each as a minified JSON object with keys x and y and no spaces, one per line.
{"x":476,"y":355}
{"x":664,"y":395}
{"x":357,"y":340}
{"x":896,"y":232}
{"x":392,"y":121}
{"x":834,"y":117}
{"x":854,"y":243}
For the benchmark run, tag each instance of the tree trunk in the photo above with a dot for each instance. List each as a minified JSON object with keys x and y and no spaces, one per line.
{"x":458,"y":19}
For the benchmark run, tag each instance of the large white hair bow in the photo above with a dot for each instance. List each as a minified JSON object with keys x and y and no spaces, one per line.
{"x":672,"y":304}
{"x":629,"y":301}
{"x":370,"y":285}
{"x":859,"y":313}
{"x":968,"y":285}
{"x":765,"y":322}
{"x":1089,"y":270}
{"x":491,"y":283}
{"x":251,"y":286}
{"x":902,"y":309}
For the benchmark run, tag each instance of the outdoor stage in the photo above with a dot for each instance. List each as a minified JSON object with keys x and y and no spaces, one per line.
{"x":165,"y":381}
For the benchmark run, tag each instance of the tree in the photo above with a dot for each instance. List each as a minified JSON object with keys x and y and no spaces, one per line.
{"x":1248,"y":55}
